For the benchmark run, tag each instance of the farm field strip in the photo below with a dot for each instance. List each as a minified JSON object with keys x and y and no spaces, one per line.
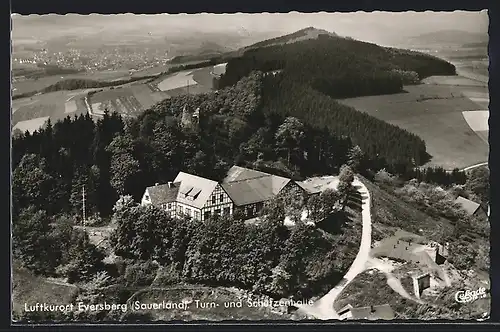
{"x":204,"y":76}
{"x":43,"y":82}
{"x":477,"y":120}
{"x":177,"y":80}
{"x":97,"y":108}
{"x":31,"y":125}
{"x":70,"y":106}
{"x":193,"y":90}
{"x":484,"y":135}
{"x":16,"y":104}
{"x":453,"y":81}
{"x":429,"y":112}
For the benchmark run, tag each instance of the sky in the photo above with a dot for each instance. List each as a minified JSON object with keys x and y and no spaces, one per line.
{"x":374,"y":26}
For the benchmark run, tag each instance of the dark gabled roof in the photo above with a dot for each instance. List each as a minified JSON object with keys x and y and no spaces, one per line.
{"x":469,"y":206}
{"x":309,"y":187}
{"x":246,"y":186}
{"x":237,"y":173}
{"x":163,"y":193}
{"x":383,"y":311}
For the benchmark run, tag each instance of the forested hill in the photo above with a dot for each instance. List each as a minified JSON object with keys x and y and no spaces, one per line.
{"x":300,"y":35}
{"x":337,"y":66}
{"x":308,"y":75}
{"x":303,"y":34}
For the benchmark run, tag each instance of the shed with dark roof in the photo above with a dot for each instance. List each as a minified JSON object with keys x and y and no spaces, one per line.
{"x":472,"y":208}
{"x":247,"y":186}
{"x":374,"y":312}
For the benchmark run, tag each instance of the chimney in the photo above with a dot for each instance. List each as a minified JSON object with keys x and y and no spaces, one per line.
{"x":372,"y":309}
{"x":156,"y":184}
{"x":170,"y":184}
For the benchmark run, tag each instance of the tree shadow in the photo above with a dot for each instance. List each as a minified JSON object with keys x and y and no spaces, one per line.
{"x":334,"y":222}
{"x":355,"y":200}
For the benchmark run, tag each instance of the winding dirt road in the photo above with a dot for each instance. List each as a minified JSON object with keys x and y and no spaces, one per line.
{"x":323,"y":308}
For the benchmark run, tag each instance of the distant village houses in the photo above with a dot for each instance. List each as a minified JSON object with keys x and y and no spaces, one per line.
{"x":243,"y":190}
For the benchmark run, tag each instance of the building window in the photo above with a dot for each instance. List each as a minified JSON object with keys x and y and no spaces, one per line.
{"x":196,"y":214}
{"x":206,"y":215}
{"x":227,"y":211}
{"x":217,"y":212}
{"x":188,"y":212}
{"x":169,"y":206}
{"x":179,"y":209}
{"x":169,"y":213}
{"x":221,"y":197}
{"x":213,"y":199}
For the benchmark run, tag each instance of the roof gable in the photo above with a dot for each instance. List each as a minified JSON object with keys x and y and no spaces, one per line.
{"x":469,"y":206}
{"x":237,"y":173}
{"x":194,"y":190}
{"x":163,"y":193}
{"x":246,"y":186}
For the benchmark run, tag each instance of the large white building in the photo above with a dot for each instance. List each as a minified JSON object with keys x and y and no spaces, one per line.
{"x":243,"y":189}
{"x":189,"y":195}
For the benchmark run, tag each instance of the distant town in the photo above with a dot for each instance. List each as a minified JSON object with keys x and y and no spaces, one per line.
{"x":105,"y":58}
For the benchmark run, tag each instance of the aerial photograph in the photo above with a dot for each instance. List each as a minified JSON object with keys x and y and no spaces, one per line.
{"x":249,"y":167}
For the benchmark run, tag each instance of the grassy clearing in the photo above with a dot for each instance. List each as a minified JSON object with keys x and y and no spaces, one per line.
{"x":218,"y":296}
{"x":177,"y":80}
{"x":204,"y":77}
{"x":452,"y":81}
{"x":193,"y":90}
{"x":31,"y":125}
{"x":391,"y":213}
{"x":146,"y":97}
{"x":434,"y":113}
{"x":30,"y":289}
{"x":371,"y":288}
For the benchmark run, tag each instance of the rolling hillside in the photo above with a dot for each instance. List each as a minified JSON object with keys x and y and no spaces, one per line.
{"x":303,"y":34}
{"x":216,"y":53}
{"x":449,"y":37}
{"x":30,"y":289}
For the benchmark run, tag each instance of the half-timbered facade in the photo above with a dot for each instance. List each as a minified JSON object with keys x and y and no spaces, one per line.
{"x":189,"y":195}
{"x":243,"y":190}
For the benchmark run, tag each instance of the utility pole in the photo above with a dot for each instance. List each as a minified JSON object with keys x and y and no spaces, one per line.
{"x":83,"y":203}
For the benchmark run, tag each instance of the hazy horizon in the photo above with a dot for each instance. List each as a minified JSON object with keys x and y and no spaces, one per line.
{"x":375,"y":27}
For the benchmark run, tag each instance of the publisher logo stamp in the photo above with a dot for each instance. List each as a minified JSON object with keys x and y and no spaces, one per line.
{"x":469,"y":296}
